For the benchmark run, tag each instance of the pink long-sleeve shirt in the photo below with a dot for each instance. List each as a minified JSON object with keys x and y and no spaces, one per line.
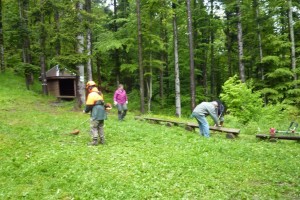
{"x":120,"y":96}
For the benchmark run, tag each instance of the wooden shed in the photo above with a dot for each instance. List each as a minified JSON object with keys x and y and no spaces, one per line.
{"x":61,"y":83}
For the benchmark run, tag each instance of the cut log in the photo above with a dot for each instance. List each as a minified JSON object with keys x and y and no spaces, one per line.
{"x":280,"y":137}
{"x":215,"y":128}
{"x":232,"y":133}
{"x":138,"y":118}
{"x":230,"y":136}
{"x":164,"y":120}
{"x":169,"y":124}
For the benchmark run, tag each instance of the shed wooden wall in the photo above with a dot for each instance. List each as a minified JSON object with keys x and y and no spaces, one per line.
{"x":53,"y":87}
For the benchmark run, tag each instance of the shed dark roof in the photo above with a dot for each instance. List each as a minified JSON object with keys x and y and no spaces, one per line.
{"x":59,"y":73}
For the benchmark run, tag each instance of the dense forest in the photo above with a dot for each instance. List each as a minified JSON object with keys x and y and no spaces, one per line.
{"x":171,"y":52}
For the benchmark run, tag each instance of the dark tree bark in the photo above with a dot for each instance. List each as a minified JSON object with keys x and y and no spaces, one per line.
{"x":43,"y":50}
{"x":140,"y":57}
{"x":191,"y":49}
{"x":26,"y":55}
{"x":98,"y":63}
{"x":57,"y":24}
{"x":212,"y":57}
{"x":240,"y":43}
{"x":292,"y":39}
{"x":164,"y":59}
{"x":261,"y":67}
{"x":228,"y":44}
{"x":116,"y":51}
{"x":256,"y":7}
{"x":2,"y":63}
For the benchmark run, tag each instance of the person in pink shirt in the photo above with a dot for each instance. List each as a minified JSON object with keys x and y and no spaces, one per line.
{"x":121,"y":101}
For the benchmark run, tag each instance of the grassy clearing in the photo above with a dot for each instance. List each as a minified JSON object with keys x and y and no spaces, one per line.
{"x":40,"y":160}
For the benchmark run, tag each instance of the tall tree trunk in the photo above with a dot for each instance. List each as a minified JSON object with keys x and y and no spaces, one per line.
{"x":140,"y":57}
{"x":57,"y":30}
{"x":292,"y":39}
{"x":228,"y":44}
{"x":212,"y":58}
{"x":116,"y":52}
{"x":161,"y":79}
{"x":256,"y":6}
{"x":43,"y":49}
{"x":191,"y":49}
{"x":149,"y":84}
{"x":200,"y":40}
{"x":89,"y":54}
{"x":2,"y":63}
{"x":26,"y":56}
{"x":80,"y":66}
{"x":164,"y":60}
{"x":262,"y":73}
{"x":240,"y":43}
{"x":88,"y":6}
{"x":177,"y":73}
{"x":98,"y":63}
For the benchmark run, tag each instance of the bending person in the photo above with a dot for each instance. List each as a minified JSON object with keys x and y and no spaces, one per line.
{"x":201,"y":111}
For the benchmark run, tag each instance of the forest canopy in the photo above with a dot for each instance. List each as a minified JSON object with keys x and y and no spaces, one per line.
{"x":170,"y":53}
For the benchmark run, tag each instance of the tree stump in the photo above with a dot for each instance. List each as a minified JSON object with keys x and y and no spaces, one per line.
{"x":189,"y":128}
{"x":230,"y":136}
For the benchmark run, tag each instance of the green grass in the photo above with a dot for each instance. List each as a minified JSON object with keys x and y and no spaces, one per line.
{"x":41,"y":160}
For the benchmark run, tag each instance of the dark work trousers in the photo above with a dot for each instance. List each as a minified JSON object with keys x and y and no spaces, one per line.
{"x":122,"y":109}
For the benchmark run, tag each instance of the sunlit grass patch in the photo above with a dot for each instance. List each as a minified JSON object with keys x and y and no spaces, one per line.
{"x":40,"y":159}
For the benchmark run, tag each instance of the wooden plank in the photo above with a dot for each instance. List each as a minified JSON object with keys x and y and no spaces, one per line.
{"x":66,"y":97}
{"x":280,"y":137}
{"x":164,"y":120}
{"x":189,"y":126}
{"x":217,"y":128}
{"x":138,"y":118}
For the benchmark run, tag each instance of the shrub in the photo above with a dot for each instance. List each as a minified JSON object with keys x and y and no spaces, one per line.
{"x":240,"y":100}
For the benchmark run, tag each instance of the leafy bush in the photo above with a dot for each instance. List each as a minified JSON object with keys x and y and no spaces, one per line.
{"x":240,"y":100}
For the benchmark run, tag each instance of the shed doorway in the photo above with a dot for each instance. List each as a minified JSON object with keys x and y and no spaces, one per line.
{"x":66,"y":88}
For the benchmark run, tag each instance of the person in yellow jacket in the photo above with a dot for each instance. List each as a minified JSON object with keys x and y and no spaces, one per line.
{"x":95,"y":105}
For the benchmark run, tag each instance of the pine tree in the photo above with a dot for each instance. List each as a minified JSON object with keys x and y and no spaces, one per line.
{"x":2,"y":64}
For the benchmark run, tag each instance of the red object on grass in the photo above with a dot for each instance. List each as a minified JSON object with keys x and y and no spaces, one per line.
{"x":272,"y":131}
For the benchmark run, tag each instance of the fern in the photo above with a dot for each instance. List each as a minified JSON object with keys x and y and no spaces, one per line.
{"x":281,"y":72}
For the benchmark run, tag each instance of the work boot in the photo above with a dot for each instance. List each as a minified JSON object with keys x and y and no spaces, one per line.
{"x":93,"y":143}
{"x":120,"y":115}
{"x":123,"y":114}
{"x":102,"y":141}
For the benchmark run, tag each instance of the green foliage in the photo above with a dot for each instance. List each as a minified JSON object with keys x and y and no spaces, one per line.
{"x":129,"y":68}
{"x":114,"y":42}
{"x":280,"y":72}
{"x":108,"y":42}
{"x":240,"y":100}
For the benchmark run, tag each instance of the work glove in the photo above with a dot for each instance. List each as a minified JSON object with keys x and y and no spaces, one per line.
{"x":126,"y":102}
{"x":115,"y":103}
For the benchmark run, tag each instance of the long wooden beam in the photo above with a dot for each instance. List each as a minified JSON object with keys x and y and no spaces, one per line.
{"x":191,"y":126}
{"x":280,"y":137}
{"x":217,"y":128}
